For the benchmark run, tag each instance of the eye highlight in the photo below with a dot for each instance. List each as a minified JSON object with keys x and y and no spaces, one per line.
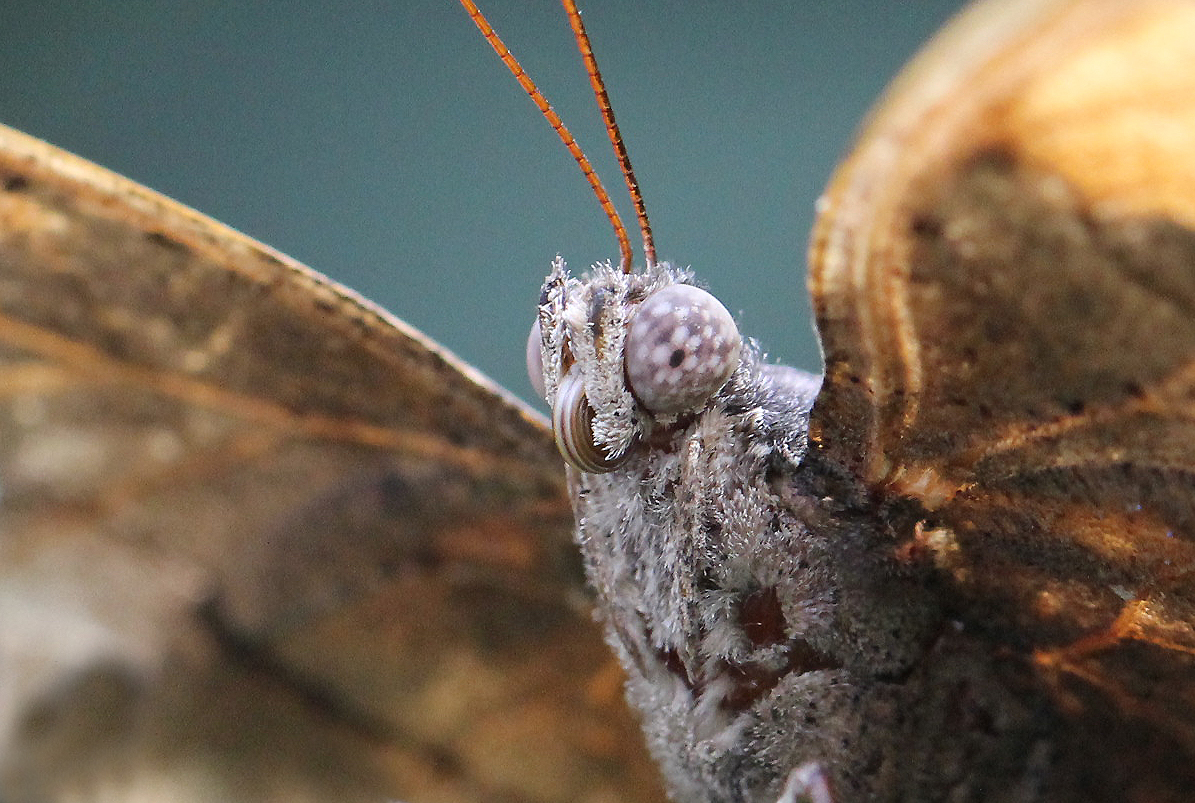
{"x":535,"y":360}
{"x":681,"y":347}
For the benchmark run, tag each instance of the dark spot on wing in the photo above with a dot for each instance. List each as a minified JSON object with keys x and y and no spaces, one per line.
{"x":166,"y":241}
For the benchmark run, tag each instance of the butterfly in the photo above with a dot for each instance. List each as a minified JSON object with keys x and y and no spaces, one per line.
{"x":258,"y":619}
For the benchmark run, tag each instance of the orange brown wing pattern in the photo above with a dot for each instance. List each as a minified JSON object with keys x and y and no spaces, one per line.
{"x":1004,"y":280}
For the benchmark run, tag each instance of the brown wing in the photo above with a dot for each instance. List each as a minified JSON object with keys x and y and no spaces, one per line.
{"x":1004,"y":279}
{"x":259,"y":540}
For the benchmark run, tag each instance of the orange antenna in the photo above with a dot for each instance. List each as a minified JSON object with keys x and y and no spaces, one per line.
{"x":545,"y":108}
{"x":620,"y":149}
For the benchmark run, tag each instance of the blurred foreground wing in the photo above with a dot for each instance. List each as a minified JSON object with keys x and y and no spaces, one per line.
{"x":260,"y":540}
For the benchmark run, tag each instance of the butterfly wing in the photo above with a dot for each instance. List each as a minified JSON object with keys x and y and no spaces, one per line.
{"x":1003,"y":275}
{"x":259,"y":539}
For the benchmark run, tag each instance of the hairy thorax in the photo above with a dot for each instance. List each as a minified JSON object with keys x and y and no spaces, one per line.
{"x":776,"y":614}
{"x":734,"y":607}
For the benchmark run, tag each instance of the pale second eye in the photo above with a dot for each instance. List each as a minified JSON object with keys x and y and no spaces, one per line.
{"x":535,"y":360}
{"x":681,"y":347}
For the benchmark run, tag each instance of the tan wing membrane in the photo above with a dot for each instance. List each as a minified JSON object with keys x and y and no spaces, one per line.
{"x":1086,"y":107}
{"x":261,"y":541}
{"x":1004,"y":279}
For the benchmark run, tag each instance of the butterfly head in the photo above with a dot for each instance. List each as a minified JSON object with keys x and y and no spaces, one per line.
{"x":617,"y":355}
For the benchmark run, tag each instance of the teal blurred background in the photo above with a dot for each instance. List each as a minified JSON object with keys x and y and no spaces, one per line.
{"x":384,"y":145}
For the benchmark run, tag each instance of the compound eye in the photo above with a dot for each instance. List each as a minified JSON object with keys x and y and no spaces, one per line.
{"x":572,"y":424}
{"x":535,"y":360}
{"x":681,"y":347}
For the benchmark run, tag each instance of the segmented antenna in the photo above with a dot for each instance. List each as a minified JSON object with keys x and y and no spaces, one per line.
{"x":545,"y":108}
{"x":620,"y":149}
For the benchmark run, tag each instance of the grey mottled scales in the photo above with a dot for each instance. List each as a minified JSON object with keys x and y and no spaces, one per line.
{"x":721,"y":602}
{"x":766,"y":626}
{"x":684,"y":544}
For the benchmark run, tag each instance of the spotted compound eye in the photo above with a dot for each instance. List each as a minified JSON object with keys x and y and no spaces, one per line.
{"x":681,"y":348}
{"x":535,"y":360}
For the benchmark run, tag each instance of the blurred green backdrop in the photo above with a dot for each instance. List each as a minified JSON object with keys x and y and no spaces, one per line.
{"x":384,"y":145}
